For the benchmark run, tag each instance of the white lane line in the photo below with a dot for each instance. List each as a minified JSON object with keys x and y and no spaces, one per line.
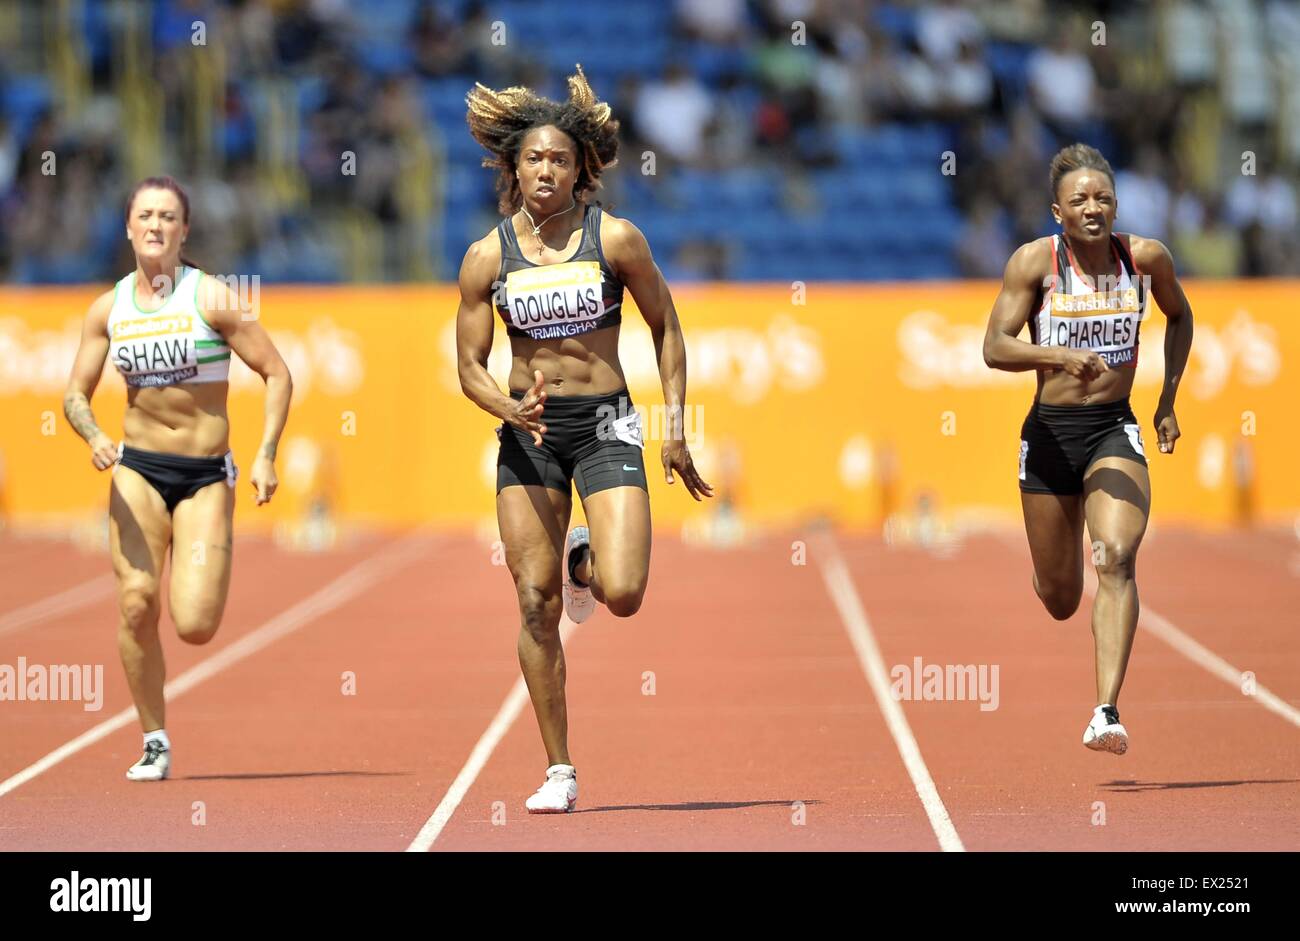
{"x":514,"y":703}
{"x":1185,"y":644}
{"x":343,"y":589}
{"x":65,"y":602}
{"x":1203,"y":656}
{"x":842,"y":591}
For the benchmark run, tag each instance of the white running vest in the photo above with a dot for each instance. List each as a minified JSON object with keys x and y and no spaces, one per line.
{"x":171,"y":345}
{"x":1104,"y":318}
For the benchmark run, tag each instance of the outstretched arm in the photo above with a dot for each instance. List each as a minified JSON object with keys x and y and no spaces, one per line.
{"x":1154,"y":259}
{"x":474,"y":327}
{"x":235,"y":321}
{"x":629,"y":253}
{"x":86,"y":370}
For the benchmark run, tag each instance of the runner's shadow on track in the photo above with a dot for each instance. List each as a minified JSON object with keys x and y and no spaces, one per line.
{"x":694,"y":805}
{"x":1130,"y":786}
{"x":257,"y":776}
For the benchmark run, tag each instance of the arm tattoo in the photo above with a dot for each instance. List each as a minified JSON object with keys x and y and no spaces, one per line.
{"x":79,"y":415}
{"x":268,"y":451}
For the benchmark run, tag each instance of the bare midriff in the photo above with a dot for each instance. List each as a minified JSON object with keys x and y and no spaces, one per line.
{"x":582,"y":365}
{"x":188,"y":419}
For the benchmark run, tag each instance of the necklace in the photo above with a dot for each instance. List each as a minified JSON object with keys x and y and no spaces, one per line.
{"x":537,"y":226}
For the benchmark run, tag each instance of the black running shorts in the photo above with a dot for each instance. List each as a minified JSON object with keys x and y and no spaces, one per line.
{"x":175,"y":476}
{"x":593,"y":441}
{"x":1058,"y":443}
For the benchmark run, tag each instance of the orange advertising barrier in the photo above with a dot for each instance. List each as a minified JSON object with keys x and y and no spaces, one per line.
{"x":845,"y":401}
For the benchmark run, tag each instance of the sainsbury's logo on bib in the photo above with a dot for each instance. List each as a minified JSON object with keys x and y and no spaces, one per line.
{"x":1115,"y":302}
{"x":1105,"y":322}
{"x":138,"y":327}
{"x":555,"y":300}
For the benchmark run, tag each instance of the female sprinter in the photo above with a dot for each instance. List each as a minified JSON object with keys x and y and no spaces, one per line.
{"x":555,"y":270}
{"x":1084,"y":294}
{"x":170,"y":331}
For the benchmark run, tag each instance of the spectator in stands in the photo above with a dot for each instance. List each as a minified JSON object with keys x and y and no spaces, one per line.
{"x":1213,"y":251}
{"x":965,"y":82}
{"x":729,"y":135}
{"x":673,"y":113}
{"x":438,"y":47}
{"x":715,"y":21}
{"x":1142,"y":199}
{"x":984,"y":245}
{"x":943,"y":28}
{"x":252,"y":30}
{"x":1062,"y":86}
{"x":1264,"y":197}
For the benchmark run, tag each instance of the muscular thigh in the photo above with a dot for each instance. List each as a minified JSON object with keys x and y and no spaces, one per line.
{"x":1054,"y":525}
{"x":619,"y":520}
{"x":202,"y":530}
{"x":139,"y":530}
{"x":1117,"y":502}
{"x":533,"y":521}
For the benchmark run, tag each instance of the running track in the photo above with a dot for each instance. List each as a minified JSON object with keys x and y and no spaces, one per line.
{"x":763,"y":732}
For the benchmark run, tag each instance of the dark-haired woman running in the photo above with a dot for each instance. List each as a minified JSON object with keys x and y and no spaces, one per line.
{"x":1083,"y":294}
{"x":170,"y":332}
{"x":555,"y":271}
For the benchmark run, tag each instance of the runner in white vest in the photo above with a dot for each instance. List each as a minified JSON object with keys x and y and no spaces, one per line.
{"x":1083,"y":294}
{"x":169,"y":330}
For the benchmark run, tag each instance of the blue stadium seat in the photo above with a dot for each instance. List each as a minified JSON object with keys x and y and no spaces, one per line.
{"x":1009,"y":63}
{"x":389,"y":20}
{"x":23,"y":99}
{"x":382,"y":55}
{"x":897,"y":22}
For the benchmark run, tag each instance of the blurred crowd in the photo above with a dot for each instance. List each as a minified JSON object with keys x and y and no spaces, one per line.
{"x":323,"y":140}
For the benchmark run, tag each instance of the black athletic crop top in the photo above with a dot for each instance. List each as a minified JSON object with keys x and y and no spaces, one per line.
{"x":566,"y":299}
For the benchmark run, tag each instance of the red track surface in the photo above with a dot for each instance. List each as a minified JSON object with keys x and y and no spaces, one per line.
{"x":759,"y":703}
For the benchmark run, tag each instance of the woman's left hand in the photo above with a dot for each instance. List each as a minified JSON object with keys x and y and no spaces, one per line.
{"x":1166,"y":428}
{"x":676,"y":456}
{"x":264,"y":479}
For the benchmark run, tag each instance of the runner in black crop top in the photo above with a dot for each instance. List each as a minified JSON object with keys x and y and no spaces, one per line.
{"x":555,"y":271}
{"x":563,"y":299}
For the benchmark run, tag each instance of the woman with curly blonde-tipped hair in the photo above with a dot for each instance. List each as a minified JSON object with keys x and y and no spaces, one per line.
{"x":555,"y":270}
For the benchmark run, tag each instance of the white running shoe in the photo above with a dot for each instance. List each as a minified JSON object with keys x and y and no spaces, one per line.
{"x":155,"y":765}
{"x":1104,"y":733}
{"x":578,"y":600}
{"x":558,"y":795}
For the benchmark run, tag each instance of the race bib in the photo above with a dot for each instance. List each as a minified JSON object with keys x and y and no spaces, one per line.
{"x":555,"y":300}
{"x":1105,"y":322}
{"x":154,"y":351}
{"x":628,"y":428}
{"x":1134,"y":433}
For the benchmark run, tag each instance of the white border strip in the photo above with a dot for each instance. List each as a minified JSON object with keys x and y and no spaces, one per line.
{"x":65,"y":602}
{"x":1201,"y":655}
{"x":346,"y":587}
{"x":1165,"y":629}
{"x":842,"y":591}
{"x":514,"y":703}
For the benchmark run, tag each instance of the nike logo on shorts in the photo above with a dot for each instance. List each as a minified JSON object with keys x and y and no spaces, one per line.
{"x":626,"y":468}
